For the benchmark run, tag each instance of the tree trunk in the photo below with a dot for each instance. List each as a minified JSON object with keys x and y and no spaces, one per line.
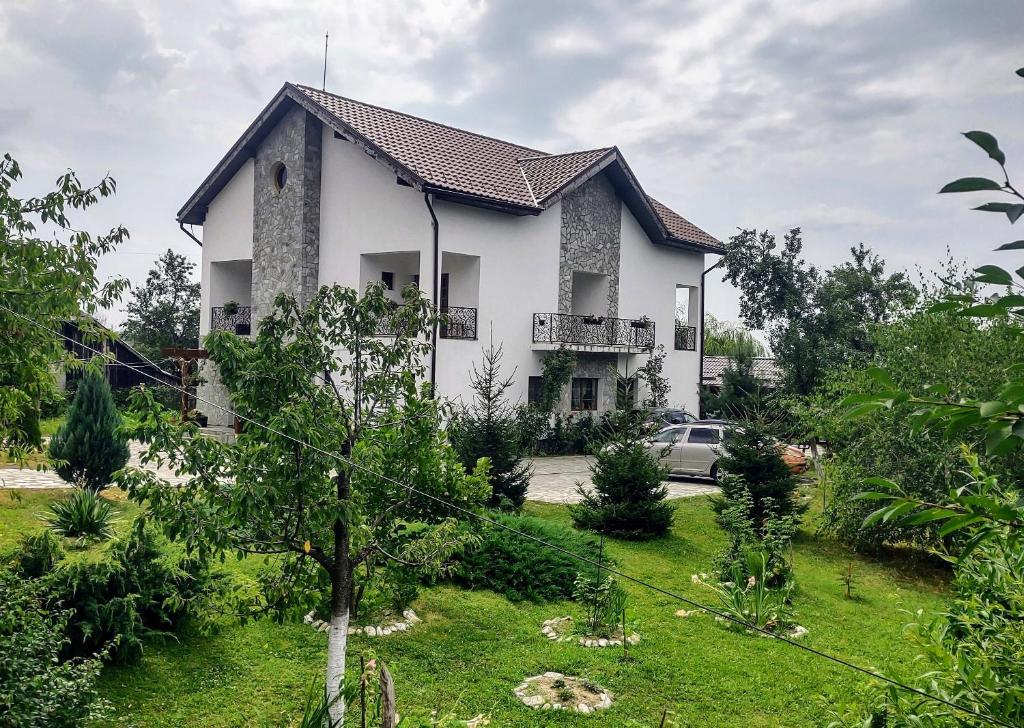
{"x":337,"y":643}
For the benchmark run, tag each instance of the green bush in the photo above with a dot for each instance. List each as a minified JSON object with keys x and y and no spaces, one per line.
{"x":84,"y":515}
{"x":521,"y":569}
{"x":87,"y":446}
{"x":135,"y":590}
{"x":628,"y":499}
{"x":774,"y":540}
{"x":39,"y":689}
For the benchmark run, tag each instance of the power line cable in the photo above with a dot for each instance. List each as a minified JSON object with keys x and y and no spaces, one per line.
{"x":584,"y":559}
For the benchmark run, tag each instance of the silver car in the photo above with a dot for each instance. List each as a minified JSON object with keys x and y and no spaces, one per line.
{"x":691,"y":449}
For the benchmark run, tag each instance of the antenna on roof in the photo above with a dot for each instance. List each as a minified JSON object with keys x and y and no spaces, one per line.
{"x":326,"y":36}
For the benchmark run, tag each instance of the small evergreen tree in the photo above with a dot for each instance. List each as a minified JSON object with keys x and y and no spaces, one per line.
{"x":752,"y":464}
{"x":628,"y":499}
{"x":741,"y":395}
{"x":88,"y":445}
{"x":489,"y":428}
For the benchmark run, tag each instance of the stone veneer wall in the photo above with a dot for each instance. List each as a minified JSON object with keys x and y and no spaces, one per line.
{"x":286,"y":222}
{"x":595,"y":365}
{"x":286,"y":233}
{"x":590,"y":239}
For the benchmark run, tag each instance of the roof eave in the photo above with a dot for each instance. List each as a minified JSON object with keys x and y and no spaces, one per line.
{"x":465,"y":198}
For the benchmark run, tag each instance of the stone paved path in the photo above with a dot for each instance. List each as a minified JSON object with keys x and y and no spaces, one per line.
{"x":14,"y":477}
{"x":554,"y":480}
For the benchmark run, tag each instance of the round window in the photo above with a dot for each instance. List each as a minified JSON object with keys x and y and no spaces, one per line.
{"x":280,"y":175}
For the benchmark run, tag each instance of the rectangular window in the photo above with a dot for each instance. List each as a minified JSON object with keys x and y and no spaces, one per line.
{"x":416,"y":279}
{"x":704,"y":435}
{"x":388,"y":278}
{"x":535,"y":391}
{"x":584,"y":394}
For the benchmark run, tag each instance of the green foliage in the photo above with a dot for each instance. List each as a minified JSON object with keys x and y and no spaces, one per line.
{"x":753,"y":465}
{"x":88,"y":447}
{"x":628,"y":498}
{"x":334,"y":513}
{"x":724,"y":339}
{"x":136,"y":590}
{"x":164,"y":311}
{"x":556,"y":372}
{"x":774,"y":540}
{"x":50,"y":278}
{"x":817,"y":321}
{"x":38,"y":553}
{"x":39,"y":689}
{"x":604,"y":600}
{"x":521,"y":569}
{"x":741,"y":396}
{"x":651,"y":373}
{"x":84,"y":515}
{"x":489,"y":429}
{"x":748,"y":597}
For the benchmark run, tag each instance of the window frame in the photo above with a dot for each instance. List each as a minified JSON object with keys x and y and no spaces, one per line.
{"x":577,"y":401}
{"x":387,"y":277}
{"x":716,"y":430}
{"x":535,"y":390}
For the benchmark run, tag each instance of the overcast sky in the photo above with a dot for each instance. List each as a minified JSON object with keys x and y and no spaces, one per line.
{"x":838,"y":116}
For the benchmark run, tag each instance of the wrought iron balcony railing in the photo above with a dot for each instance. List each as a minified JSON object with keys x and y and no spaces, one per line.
{"x":458,"y":322}
{"x":686,"y":337}
{"x":235,"y":318}
{"x":567,"y":328}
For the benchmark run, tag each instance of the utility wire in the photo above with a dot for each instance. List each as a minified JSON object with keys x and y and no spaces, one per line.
{"x":584,"y":559}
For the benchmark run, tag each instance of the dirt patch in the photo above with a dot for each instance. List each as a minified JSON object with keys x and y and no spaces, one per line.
{"x":555,"y":691}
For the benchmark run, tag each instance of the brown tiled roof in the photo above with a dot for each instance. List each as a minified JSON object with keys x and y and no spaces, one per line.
{"x":679,"y":227}
{"x":764,"y":369}
{"x":469,"y":167}
{"x":550,"y":173}
{"x":441,"y":155}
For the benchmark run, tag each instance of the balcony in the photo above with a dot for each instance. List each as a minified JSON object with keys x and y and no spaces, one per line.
{"x":592,"y":333}
{"x":686,"y":337}
{"x":457,"y":322}
{"x":231,"y":318}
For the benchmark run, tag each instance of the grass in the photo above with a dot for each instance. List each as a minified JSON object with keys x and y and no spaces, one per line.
{"x":475,"y":647}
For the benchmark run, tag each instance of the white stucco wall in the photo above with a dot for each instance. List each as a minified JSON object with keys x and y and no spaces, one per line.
{"x":227,"y":234}
{"x":648,"y":277}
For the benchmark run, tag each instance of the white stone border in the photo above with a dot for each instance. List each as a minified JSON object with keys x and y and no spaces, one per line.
{"x":536,"y":702}
{"x":555,"y":630}
{"x":409,"y":618}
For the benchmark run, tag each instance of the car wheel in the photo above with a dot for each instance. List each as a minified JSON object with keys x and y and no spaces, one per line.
{"x":715,"y":473}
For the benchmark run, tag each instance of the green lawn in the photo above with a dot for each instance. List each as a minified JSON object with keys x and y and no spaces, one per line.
{"x":474,"y":647}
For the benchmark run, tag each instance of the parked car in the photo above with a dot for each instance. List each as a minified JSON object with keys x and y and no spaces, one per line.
{"x":666,"y":416}
{"x":694,"y":449}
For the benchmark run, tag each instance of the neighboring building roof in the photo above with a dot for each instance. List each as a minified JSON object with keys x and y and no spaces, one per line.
{"x":765,"y":370}
{"x":130,"y":367}
{"x":457,"y":164}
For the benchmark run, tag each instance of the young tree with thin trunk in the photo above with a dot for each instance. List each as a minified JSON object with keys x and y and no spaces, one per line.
{"x":317,"y":376}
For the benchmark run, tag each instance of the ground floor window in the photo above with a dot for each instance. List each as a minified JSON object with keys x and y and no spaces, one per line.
{"x":584,"y":394}
{"x":535,"y":391}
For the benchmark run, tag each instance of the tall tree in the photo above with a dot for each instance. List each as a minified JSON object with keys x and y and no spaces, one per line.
{"x":724,"y":339}
{"x":488,"y":428}
{"x":165,"y":310}
{"x":816,"y":320}
{"x":48,"y":278}
{"x":317,"y":375}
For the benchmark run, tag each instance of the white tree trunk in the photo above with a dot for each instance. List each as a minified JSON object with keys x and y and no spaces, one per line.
{"x":337,"y":641}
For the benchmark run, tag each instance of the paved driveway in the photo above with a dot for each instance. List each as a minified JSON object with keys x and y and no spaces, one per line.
{"x":14,"y":477}
{"x":554,"y":480}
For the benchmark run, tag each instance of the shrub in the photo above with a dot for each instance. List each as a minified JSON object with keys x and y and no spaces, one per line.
{"x":628,"y":499}
{"x":774,"y":541}
{"x":747,"y":596}
{"x":753,"y":466}
{"x":489,"y":429}
{"x":521,"y":569}
{"x":87,"y":446}
{"x":605,"y":602}
{"x":136,"y":590}
{"x":84,"y":516}
{"x":37,"y":688}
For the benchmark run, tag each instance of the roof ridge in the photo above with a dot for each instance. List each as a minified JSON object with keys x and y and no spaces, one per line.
{"x":420,"y":118}
{"x":563,"y":154}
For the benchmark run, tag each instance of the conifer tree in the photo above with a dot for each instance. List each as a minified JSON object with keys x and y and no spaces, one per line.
{"x":488,"y":428}
{"x":88,"y":445}
{"x":628,"y":498}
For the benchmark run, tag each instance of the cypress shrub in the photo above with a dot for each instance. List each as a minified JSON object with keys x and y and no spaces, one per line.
{"x":88,"y":443}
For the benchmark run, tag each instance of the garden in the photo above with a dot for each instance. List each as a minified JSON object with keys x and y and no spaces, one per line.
{"x":365,"y":552}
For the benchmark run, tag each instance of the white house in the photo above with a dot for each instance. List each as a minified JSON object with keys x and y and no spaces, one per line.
{"x":539,"y":250}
